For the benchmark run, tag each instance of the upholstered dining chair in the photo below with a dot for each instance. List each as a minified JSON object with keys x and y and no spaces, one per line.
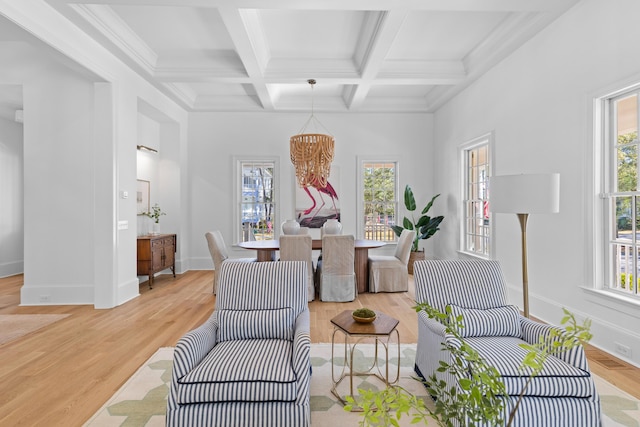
{"x":298,"y":248}
{"x":220,"y":254}
{"x":335,"y":271}
{"x":303,"y":230}
{"x":390,"y":273}
{"x":248,"y":364}
{"x":563,"y":394}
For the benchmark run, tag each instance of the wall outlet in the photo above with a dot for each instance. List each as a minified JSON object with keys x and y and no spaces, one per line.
{"x":45,"y":298}
{"x":622,"y":349}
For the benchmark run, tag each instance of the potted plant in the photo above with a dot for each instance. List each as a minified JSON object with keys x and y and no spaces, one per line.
{"x":480,"y":398}
{"x":425,"y":226}
{"x":364,"y":315}
{"x":155,"y":215}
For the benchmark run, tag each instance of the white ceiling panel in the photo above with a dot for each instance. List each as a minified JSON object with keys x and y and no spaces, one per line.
{"x":311,"y":34}
{"x":248,"y":55}
{"x":442,"y":36}
{"x":173,"y":28}
{"x":399,"y":91}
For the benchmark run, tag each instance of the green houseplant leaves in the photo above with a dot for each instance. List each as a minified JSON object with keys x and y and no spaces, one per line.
{"x":425,"y":226}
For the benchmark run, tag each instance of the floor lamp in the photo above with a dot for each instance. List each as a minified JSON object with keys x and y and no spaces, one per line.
{"x":524,"y":195}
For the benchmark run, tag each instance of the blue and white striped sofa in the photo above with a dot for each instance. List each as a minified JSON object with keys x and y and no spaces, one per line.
{"x":563,"y":395}
{"x":248,"y":364}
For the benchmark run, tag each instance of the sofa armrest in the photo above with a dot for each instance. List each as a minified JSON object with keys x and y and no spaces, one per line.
{"x":301,"y":342}
{"x":532,"y":331}
{"x":433,"y":325}
{"x":439,"y":329}
{"x":301,"y":351}
{"x":194,"y":346}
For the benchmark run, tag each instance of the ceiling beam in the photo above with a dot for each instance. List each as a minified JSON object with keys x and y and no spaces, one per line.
{"x":425,"y":5}
{"x":385,"y":29}
{"x":244,"y":30}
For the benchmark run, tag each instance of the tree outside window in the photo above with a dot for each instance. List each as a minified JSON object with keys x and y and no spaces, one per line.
{"x":476,"y":221}
{"x":257,"y":207}
{"x":623,"y":199}
{"x":380,"y":200}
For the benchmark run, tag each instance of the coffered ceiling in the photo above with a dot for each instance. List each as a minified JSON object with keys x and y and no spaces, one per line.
{"x":366,"y":55}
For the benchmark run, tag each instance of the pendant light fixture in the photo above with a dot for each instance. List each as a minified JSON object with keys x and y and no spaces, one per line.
{"x":312,"y":153}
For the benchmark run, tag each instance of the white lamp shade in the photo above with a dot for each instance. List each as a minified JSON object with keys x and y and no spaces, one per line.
{"x":534,"y":193}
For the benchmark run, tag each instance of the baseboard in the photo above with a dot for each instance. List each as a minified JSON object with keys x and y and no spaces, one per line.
{"x":128,"y":291}
{"x":57,"y":295}
{"x":11,"y":268}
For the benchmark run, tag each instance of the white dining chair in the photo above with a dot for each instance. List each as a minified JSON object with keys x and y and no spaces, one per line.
{"x":220,"y":254}
{"x":390,"y":273}
{"x":298,"y":248}
{"x":335,"y":272}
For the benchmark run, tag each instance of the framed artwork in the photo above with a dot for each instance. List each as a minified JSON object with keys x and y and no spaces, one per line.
{"x":142,"y":196}
{"x":316,"y":205}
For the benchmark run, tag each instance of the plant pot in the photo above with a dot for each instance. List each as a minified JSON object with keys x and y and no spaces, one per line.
{"x":363,"y":319}
{"x":413,"y":257}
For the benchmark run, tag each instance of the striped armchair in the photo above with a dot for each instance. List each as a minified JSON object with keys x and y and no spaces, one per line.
{"x":562,"y":395}
{"x":248,"y":364}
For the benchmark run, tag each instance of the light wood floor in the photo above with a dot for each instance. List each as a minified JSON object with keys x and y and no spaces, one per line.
{"x":62,"y":374}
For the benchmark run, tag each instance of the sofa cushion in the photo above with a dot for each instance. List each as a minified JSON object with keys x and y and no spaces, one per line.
{"x":557,"y":378}
{"x":501,"y":321}
{"x":256,"y":324}
{"x":248,"y":380}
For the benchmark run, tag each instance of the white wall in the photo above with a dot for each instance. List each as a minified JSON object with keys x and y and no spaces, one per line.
{"x":92,"y":156}
{"x":214,"y":138}
{"x":11,"y":198}
{"x":58,"y":188}
{"x":537,"y":102}
{"x":163,"y":171}
{"x":147,"y":166}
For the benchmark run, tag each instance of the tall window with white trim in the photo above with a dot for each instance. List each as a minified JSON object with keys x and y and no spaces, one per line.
{"x":256,"y":200}
{"x":622,"y":213}
{"x":475,"y":225}
{"x":380,"y":199}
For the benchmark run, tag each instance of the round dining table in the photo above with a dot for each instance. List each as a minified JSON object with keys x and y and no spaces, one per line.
{"x":266,"y":250}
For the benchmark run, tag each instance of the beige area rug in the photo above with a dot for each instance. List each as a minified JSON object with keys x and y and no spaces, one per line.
{"x":13,"y":326}
{"x":142,"y":399}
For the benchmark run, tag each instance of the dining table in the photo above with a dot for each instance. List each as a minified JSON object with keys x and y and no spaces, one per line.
{"x":266,"y":250}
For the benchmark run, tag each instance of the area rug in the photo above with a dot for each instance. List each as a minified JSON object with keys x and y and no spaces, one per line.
{"x":142,"y":399}
{"x":13,"y":326}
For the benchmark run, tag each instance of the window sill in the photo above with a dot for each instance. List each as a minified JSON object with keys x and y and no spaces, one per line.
{"x":473,"y":255}
{"x":614,"y":301}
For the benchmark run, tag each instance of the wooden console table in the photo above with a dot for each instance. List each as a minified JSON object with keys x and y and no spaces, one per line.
{"x":156,"y":253}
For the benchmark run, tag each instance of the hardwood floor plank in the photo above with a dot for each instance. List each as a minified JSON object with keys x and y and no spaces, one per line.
{"x":62,"y":374}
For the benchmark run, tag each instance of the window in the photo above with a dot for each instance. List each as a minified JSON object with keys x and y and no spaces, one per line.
{"x":256,"y":216}
{"x":476,"y":230}
{"x":380,"y":199}
{"x":622,"y":196}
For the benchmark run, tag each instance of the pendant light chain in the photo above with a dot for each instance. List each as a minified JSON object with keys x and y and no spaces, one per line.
{"x":311,"y":154}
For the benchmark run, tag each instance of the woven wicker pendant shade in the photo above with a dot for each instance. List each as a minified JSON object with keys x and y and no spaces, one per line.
{"x":312,"y":154}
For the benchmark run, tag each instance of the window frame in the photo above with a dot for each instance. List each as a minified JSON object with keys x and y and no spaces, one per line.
{"x":361,"y":161}
{"x":482,"y":140}
{"x":238,"y":162}
{"x":605,"y":270}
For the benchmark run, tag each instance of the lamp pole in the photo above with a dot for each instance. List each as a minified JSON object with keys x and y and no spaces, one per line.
{"x":523,"y":217}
